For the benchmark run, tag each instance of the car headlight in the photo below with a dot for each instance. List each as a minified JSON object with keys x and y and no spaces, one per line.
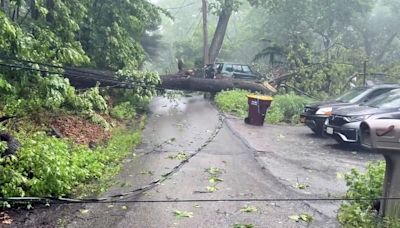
{"x":356,"y":118}
{"x":324,"y":111}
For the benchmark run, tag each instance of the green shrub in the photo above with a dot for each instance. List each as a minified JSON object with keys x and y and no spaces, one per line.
{"x":368,"y":185}
{"x":50,"y":167}
{"x":124,"y":110}
{"x":233,"y":101}
{"x":287,"y":108}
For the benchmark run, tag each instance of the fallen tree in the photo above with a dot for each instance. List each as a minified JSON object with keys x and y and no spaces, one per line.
{"x":85,"y":78}
{"x":177,"y":82}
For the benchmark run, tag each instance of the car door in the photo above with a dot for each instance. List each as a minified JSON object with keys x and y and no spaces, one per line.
{"x":243,"y":72}
{"x":227,"y":70}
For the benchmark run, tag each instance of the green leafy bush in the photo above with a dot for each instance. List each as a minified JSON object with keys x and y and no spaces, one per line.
{"x":124,"y":110}
{"x":233,"y":101}
{"x":46,"y":166}
{"x":368,"y":185}
{"x":287,"y":108}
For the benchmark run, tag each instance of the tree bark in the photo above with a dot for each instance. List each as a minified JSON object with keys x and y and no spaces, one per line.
{"x":86,"y":78}
{"x":34,"y":10}
{"x":50,"y":7}
{"x":220,"y":31}
{"x":176,"y":82}
{"x":205,"y":33}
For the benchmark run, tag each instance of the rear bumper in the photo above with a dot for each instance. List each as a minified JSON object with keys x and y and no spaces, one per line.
{"x":349,"y":133}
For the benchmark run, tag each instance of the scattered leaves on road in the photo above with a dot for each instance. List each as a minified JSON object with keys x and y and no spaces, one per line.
{"x":183,"y":214}
{"x":214,"y":171}
{"x":211,"y":188}
{"x":124,"y":207}
{"x":196,"y":206}
{"x":302,"y":217}
{"x":180,"y":156}
{"x":243,"y":225}
{"x":150,"y":173}
{"x":249,"y":209}
{"x":214,"y":180}
{"x":301,"y":186}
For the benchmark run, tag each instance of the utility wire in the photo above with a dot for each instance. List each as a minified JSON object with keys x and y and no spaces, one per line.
{"x":181,"y":7}
{"x":103,"y":201}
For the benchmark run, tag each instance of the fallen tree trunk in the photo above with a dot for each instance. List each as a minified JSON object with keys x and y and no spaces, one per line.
{"x":176,"y":82}
{"x":86,"y":78}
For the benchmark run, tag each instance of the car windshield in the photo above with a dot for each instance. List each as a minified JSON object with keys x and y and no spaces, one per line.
{"x":352,"y":96}
{"x":387,"y":100}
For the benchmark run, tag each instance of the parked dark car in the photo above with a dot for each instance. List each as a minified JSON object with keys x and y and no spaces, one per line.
{"x":315,"y":115}
{"x":344,"y":123}
{"x":230,"y":70}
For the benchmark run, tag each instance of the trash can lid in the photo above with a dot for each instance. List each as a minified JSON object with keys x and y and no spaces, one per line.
{"x":260,"y":97}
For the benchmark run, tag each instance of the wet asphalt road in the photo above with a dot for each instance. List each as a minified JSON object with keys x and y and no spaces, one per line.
{"x":183,"y":126}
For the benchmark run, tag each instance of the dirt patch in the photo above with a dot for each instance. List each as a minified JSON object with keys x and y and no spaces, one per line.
{"x":80,"y":130}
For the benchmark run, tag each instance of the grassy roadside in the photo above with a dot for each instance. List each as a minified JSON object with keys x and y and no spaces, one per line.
{"x":284,"y":109}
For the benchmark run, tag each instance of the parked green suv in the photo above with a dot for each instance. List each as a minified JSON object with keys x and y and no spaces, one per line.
{"x":230,"y":70}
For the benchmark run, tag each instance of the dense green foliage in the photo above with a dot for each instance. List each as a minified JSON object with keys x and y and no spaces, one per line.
{"x":287,"y":108}
{"x":105,"y":34}
{"x":233,"y":101}
{"x":67,"y":168}
{"x":102,"y":34}
{"x":284,"y":108}
{"x":368,"y":185}
{"x":122,"y":111}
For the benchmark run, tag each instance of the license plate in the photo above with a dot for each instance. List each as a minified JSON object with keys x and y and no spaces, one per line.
{"x":329,"y":130}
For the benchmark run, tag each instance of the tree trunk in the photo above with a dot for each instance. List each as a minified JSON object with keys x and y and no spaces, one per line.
{"x":86,"y":78}
{"x":50,"y":7}
{"x":176,"y":82}
{"x":2,"y":4}
{"x":34,"y":10}
{"x":220,"y":31}
{"x":205,"y":33}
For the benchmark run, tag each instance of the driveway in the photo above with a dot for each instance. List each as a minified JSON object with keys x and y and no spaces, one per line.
{"x":229,"y":164}
{"x":309,"y":165}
